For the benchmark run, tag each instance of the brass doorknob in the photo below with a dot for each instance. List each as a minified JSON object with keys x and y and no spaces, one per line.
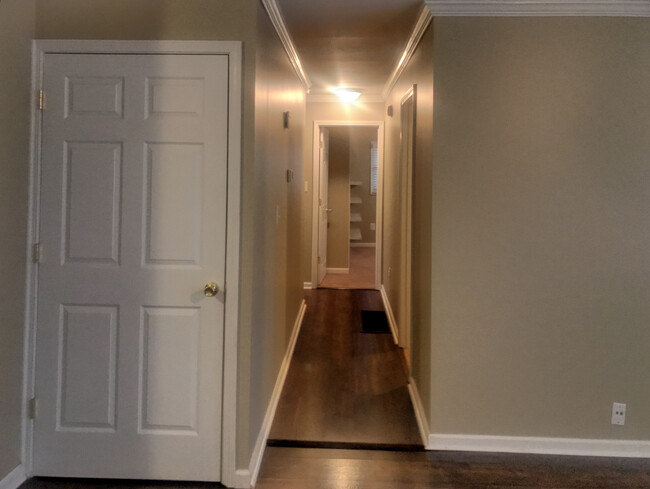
{"x":211,"y":289}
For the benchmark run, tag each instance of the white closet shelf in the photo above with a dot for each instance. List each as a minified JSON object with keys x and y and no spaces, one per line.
{"x":355,"y":200}
{"x":355,"y":183}
{"x":355,"y":234}
{"x":355,"y":217}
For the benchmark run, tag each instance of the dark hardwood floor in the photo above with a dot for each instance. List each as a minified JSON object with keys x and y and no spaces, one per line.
{"x":303,"y":468}
{"x":344,"y":386}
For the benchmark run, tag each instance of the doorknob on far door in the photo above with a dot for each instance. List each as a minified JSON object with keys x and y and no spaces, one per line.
{"x":211,"y":289}
{"x":327,"y":210}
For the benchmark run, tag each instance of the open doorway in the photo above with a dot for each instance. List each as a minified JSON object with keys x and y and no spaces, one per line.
{"x":347,"y":231}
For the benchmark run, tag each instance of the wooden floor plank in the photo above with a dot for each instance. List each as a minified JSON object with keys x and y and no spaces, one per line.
{"x":292,"y":468}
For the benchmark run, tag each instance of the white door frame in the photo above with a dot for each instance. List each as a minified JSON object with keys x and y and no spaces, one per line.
{"x":322,"y":212}
{"x":379,"y":219}
{"x":406,"y":231}
{"x":233,"y":50}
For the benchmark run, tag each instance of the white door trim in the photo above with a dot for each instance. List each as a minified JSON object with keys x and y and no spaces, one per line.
{"x":406,"y":232}
{"x":539,"y":8}
{"x":233,"y":50}
{"x":315,"y":186}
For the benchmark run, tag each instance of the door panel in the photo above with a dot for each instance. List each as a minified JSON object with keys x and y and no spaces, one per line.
{"x":173,"y":169}
{"x":169,"y":397}
{"x":87,"y":397}
{"x":129,"y":350}
{"x":92,"y":199}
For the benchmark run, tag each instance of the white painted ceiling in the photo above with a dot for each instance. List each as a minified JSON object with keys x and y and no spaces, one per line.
{"x":353,"y":43}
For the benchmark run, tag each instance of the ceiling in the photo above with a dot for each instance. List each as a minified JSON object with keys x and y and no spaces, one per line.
{"x":352,"y":43}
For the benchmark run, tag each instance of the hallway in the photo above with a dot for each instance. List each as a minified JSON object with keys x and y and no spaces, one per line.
{"x":345,"y":388}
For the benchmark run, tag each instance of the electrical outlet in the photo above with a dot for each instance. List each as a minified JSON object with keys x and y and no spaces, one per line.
{"x":372,"y":226}
{"x":618,"y":413}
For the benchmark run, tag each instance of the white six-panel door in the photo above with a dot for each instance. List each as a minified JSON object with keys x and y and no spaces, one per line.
{"x":323,"y":207}
{"x":128,"y":358}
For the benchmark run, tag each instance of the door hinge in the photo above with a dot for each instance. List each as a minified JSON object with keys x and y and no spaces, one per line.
{"x":36,"y":252}
{"x":32,"y":408}
{"x":41,"y":99}
{"x":319,"y":260}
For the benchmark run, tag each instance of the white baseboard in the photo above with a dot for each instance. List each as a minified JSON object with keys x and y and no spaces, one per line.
{"x":363,"y":245}
{"x":420,"y":414}
{"x":307,"y":286}
{"x":14,"y":479}
{"x":548,"y":446}
{"x":242,"y":479}
{"x":389,"y":313}
{"x":258,"y":452}
{"x":338,"y":270}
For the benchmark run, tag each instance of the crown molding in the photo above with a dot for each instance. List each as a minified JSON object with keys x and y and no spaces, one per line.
{"x":424,"y":19}
{"x":593,"y":8}
{"x":366,"y":97}
{"x":275,"y":15}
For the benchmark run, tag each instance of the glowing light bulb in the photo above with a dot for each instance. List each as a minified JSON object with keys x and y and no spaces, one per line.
{"x":348,"y":95}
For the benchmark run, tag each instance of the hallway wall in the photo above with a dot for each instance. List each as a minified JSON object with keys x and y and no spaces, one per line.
{"x":541,"y":249}
{"x":325,"y":111}
{"x":16,"y":32}
{"x":418,"y":72}
{"x":274,"y":273}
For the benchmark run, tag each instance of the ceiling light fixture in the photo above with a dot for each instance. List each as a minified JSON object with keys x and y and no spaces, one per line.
{"x":348,"y":95}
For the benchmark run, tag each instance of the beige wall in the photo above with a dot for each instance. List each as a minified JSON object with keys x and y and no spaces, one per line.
{"x":325,"y":111}
{"x":338,"y":191}
{"x":16,"y":33}
{"x":360,"y":139}
{"x":145,"y":19}
{"x":541,"y":219}
{"x":418,"y":72}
